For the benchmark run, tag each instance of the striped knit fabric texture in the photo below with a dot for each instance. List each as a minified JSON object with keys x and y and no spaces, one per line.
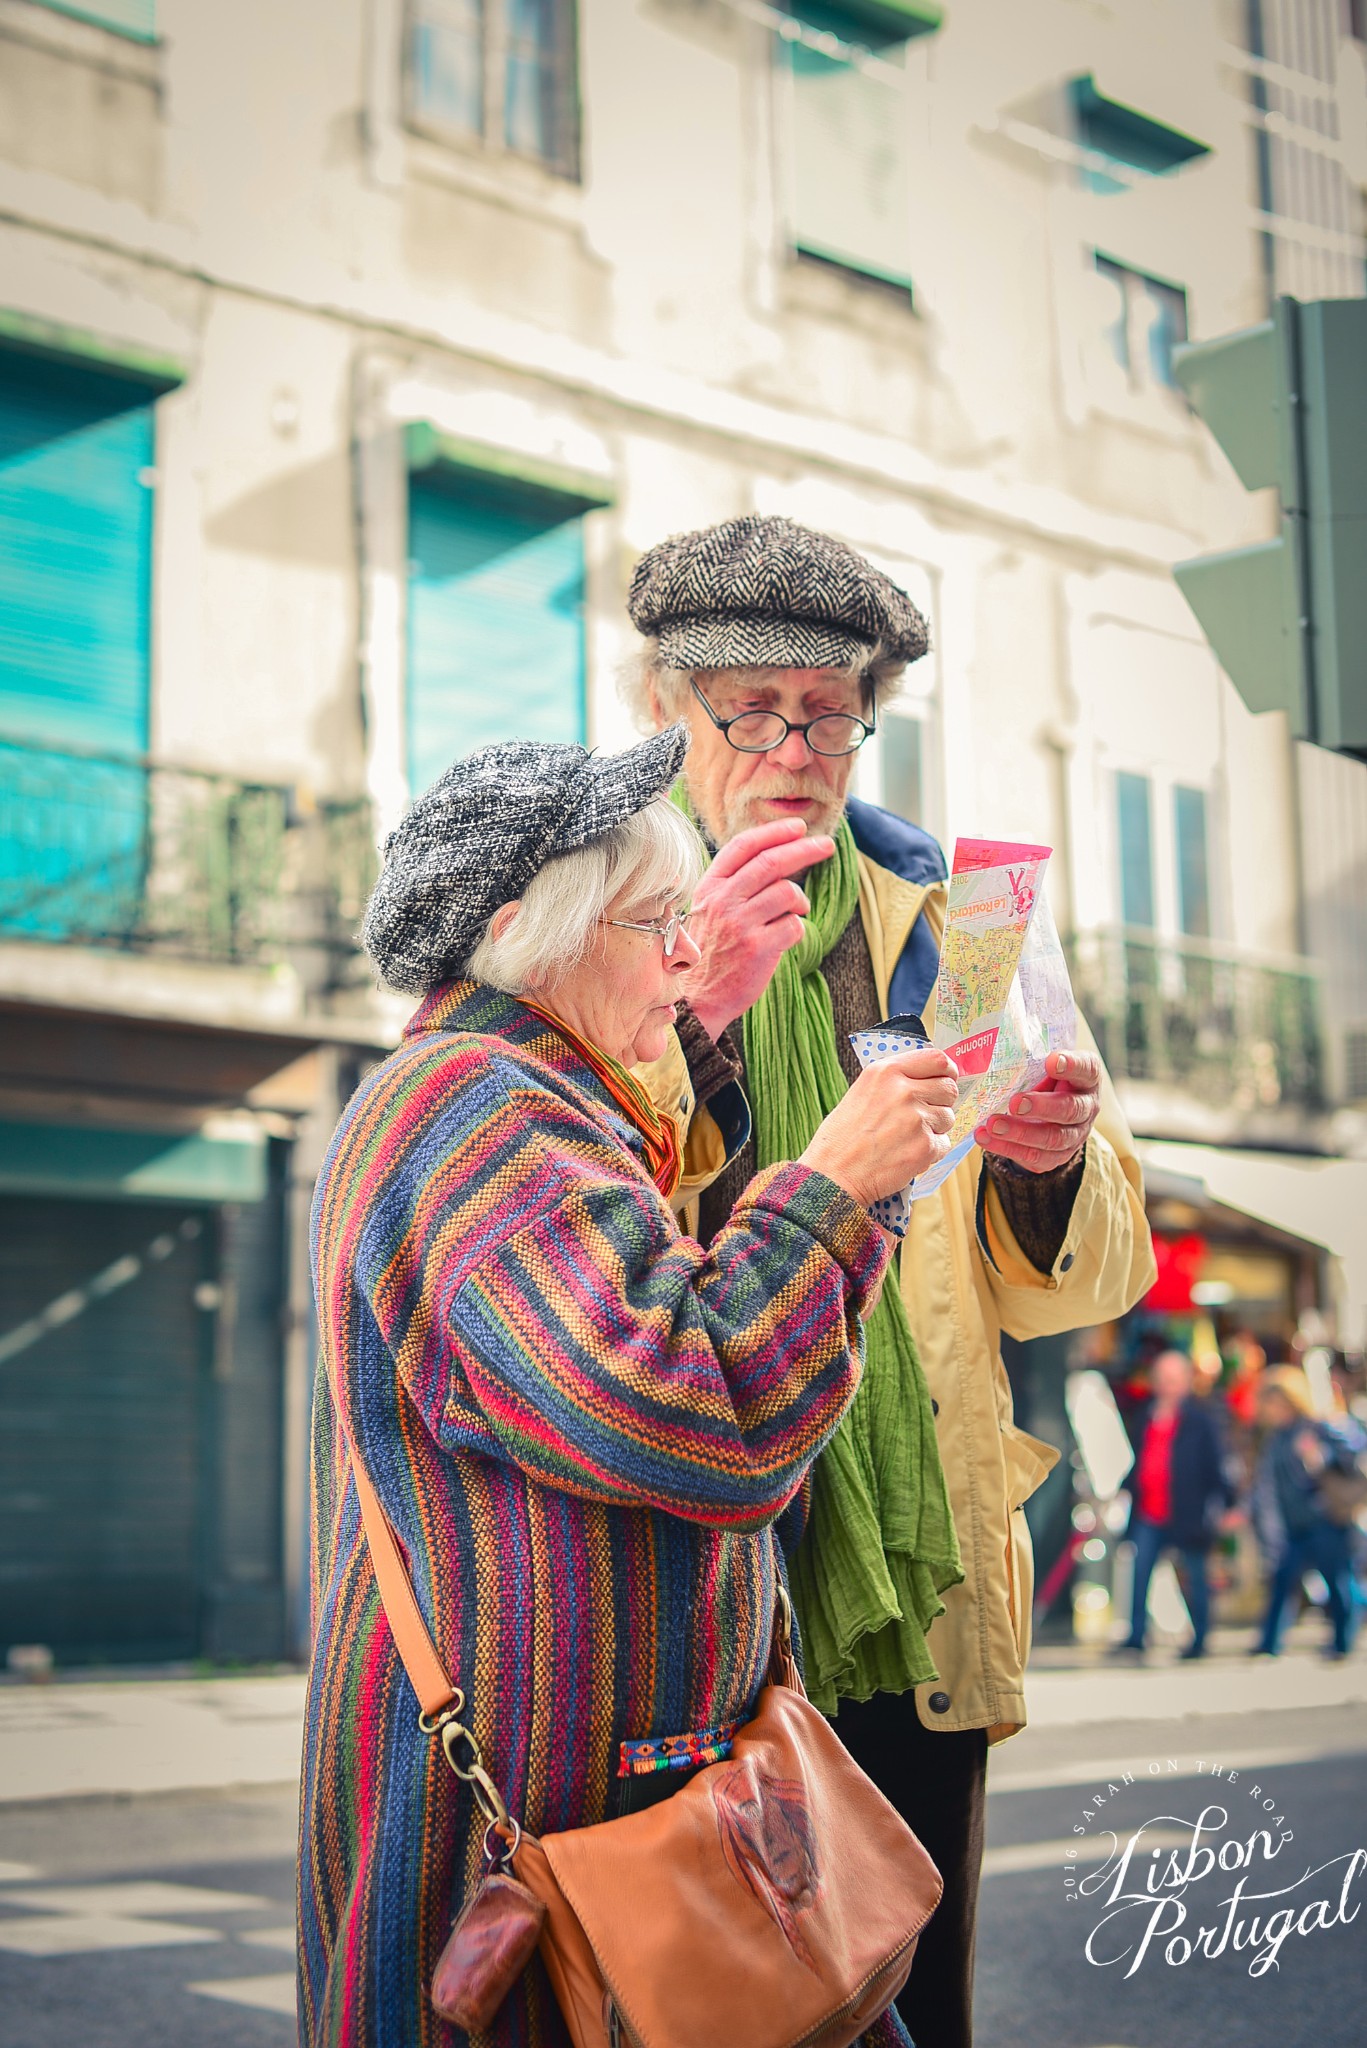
{"x":582,"y":1428}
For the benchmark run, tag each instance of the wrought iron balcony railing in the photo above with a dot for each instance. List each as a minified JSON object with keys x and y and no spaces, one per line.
{"x":102,"y":850}
{"x":1225,"y":1028}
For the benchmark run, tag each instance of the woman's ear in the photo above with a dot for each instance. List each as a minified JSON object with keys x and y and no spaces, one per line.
{"x":503,"y":917}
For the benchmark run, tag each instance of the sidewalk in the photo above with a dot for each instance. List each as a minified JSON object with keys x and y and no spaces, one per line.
{"x":149,"y":1735}
{"x":1067,"y":1686}
{"x":143,"y":1735}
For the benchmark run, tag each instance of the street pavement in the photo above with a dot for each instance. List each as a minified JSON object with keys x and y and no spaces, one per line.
{"x":147,"y":1830}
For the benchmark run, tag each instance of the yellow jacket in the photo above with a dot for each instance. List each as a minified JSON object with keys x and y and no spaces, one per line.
{"x":962,"y":1290}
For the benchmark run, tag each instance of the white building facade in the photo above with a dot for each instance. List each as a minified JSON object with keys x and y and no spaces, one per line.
{"x":350,"y":354}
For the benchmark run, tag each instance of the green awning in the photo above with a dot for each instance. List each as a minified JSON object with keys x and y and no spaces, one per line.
{"x":433,"y":452}
{"x":57,"y":341}
{"x":875,"y":22}
{"x":149,"y":1166}
{"x":1127,"y":135}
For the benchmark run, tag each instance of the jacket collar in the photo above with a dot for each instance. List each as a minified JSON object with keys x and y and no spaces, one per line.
{"x":473,"y":1008}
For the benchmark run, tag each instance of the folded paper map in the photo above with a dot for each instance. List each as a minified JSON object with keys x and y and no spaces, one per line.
{"x":1003,"y":1000}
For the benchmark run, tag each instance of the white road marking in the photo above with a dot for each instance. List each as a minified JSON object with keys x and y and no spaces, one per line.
{"x":1002,"y":1778}
{"x":269,"y":1937}
{"x":18,"y":1873}
{"x":263,"y":1994}
{"x":70,"y":1934}
{"x":135,"y":1900}
{"x":1018,"y":1856}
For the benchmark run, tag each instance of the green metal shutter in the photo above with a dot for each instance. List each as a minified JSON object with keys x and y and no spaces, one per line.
{"x":103,"y":1417}
{"x":76,"y":448}
{"x":495,"y":622}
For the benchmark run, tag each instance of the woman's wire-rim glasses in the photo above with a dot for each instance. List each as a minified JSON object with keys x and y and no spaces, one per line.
{"x":767,"y":730}
{"x":666,"y":928}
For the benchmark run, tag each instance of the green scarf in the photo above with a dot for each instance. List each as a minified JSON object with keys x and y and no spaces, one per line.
{"x":879,"y":1546}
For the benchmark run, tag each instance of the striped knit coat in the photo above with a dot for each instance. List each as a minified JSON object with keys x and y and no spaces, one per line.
{"x":582,"y":1428}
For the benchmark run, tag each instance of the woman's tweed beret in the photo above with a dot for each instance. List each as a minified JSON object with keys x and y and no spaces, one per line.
{"x":476,"y":838}
{"x":767,"y":593}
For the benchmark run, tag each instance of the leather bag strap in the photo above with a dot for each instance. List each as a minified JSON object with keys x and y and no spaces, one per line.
{"x":428,"y":1675}
{"x":414,"y":1644}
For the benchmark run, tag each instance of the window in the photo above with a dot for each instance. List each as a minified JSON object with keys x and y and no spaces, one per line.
{"x":1193,"y":864}
{"x":905,"y":767}
{"x":495,"y":615}
{"x":1135,"y":848}
{"x":499,"y":72}
{"x":1308,"y":199}
{"x":135,"y":18}
{"x":1147,"y":319}
{"x":850,"y":133}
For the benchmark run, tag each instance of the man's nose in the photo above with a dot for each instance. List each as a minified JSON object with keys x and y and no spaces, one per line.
{"x":793,"y":752}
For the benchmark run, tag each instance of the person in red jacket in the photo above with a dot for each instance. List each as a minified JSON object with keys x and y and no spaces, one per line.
{"x":1179,"y":1489}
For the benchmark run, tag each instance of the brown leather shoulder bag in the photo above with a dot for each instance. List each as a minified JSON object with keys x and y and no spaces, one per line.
{"x":775,"y":1899}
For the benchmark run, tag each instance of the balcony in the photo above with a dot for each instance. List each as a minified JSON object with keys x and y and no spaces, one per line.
{"x":178,"y":864}
{"x":1203,"y":1041}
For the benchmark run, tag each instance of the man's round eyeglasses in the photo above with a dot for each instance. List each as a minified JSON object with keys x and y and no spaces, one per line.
{"x":759,"y":732}
{"x":666,"y":928}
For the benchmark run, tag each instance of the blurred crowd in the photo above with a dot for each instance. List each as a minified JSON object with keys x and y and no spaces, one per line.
{"x":1250,"y":1472}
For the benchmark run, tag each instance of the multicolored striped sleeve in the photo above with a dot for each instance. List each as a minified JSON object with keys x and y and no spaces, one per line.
{"x":617,"y":1361}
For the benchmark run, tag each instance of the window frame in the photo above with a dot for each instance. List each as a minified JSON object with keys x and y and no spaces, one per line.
{"x":490,"y":143}
{"x":864,"y":41}
{"x":1137,"y":285}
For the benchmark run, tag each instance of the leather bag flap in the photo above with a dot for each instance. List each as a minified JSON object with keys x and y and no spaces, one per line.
{"x":770,"y":1894}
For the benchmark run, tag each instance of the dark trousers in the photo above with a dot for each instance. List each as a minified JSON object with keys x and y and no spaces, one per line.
{"x":938,"y":1783}
{"x":1326,"y":1549}
{"x":1149,"y":1544}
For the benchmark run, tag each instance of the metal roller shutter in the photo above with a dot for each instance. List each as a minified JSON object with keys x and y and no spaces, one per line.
{"x":104,"y":1418}
{"x":495,"y":623}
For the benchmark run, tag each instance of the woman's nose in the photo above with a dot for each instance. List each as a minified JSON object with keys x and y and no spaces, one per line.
{"x":687,"y":952}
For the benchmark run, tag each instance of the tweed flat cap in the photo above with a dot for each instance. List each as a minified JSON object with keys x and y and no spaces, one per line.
{"x":476,"y":838}
{"x":767,"y":593}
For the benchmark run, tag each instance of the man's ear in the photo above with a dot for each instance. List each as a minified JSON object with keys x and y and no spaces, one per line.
{"x":503,"y":917}
{"x":656,"y":709}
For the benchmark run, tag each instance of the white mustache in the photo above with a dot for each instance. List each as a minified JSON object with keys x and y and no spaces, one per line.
{"x":785,"y":782}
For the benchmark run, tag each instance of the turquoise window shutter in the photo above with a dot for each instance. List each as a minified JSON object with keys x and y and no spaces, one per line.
{"x":1136,"y":850}
{"x":495,"y":622}
{"x":1193,"y":862}
{"x":76,"y":449}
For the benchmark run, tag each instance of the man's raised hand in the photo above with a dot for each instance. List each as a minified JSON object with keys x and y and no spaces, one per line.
{"x":748,"y":910}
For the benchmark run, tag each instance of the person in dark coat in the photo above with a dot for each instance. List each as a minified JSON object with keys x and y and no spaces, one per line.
{"x":1179,"y":1491}
{"x":1290,"y":1512}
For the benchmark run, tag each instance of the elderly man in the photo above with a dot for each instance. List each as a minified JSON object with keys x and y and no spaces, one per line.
{"x":780,"y":645}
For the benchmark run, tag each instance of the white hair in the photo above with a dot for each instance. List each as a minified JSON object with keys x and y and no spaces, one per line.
{"x":643,"y":674}
{"x":651,"y":858}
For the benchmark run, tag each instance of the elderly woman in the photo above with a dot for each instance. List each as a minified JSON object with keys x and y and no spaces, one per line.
{"x":581,"y":1426}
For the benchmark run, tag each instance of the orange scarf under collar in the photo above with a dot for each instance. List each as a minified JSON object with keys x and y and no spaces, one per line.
{"x":663,"y":1159}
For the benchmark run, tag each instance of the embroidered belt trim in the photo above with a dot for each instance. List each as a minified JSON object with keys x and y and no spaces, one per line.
{"x":676,"y":1752}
